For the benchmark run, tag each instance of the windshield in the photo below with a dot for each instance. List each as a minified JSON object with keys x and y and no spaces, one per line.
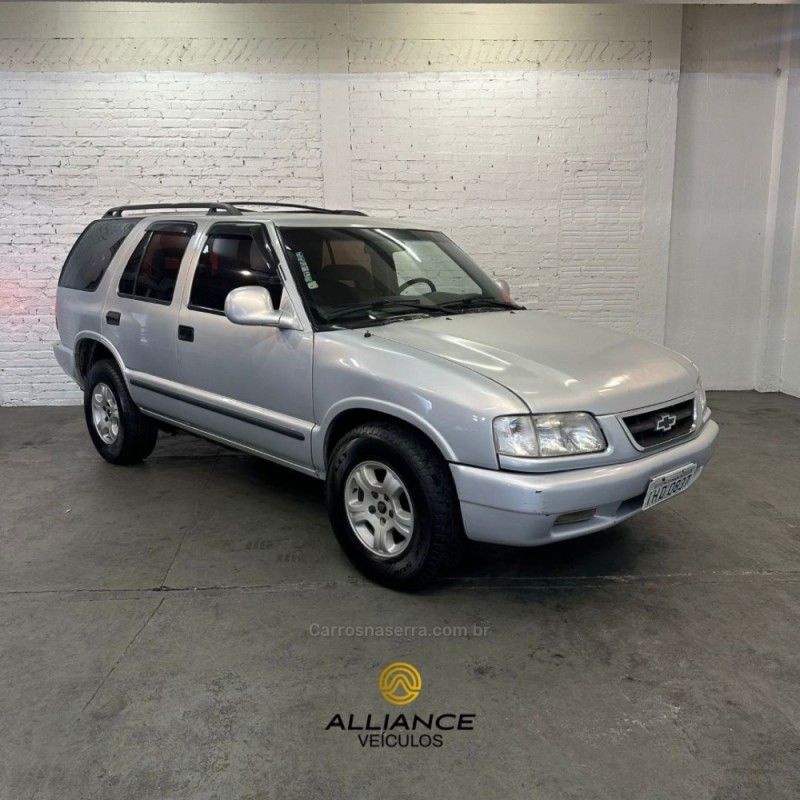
{"x":358,"y":276}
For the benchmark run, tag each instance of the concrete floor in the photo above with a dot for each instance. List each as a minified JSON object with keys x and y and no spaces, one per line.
{"x":155,"y":635}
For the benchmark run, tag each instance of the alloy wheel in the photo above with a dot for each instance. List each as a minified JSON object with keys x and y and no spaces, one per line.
{"x":379,"y":509}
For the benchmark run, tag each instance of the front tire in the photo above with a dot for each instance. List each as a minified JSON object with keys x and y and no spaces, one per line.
{"x":393,"y":506}
{"x":119,"y":431}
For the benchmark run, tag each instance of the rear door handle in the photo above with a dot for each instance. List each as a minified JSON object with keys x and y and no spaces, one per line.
{"x":185,"y":333}
{"x":113,"y":317}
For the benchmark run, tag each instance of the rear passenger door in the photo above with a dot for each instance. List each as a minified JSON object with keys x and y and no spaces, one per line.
{"x":141,"y":312}
{"x":249,"y":385}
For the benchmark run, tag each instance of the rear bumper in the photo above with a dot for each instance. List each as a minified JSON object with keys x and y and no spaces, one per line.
{"x":66,"y":360}
{"x":521,"y":508}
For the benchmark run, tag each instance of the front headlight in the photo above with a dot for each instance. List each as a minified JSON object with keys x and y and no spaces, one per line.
{"x":545,"y":435}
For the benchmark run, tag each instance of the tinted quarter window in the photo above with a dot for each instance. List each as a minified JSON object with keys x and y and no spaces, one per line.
{"x":152,"y":271}
{"x":89,"y":258}
{"x":227,"y":262}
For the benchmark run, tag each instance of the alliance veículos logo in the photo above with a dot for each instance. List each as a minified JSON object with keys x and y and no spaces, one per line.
{"x":400,"y":684}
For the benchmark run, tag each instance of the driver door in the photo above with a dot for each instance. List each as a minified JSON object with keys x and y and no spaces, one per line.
{"x":248,"y":385}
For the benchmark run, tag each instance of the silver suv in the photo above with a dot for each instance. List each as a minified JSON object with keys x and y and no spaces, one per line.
{"x":377,"y":356}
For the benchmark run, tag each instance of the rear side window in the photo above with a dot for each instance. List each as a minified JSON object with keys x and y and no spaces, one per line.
{"x":152,"y":270}
{"x":89,"y":258}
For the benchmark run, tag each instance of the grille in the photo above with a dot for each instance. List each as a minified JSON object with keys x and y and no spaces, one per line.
{"x":652,"y":428}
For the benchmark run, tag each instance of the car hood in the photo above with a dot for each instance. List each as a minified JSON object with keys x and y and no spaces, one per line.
{"x":552,"y":363}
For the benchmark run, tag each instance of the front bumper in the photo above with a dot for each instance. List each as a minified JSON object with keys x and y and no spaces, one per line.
{"x":521,"y":508}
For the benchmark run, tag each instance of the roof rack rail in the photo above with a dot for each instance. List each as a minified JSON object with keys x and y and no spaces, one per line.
{"x":212,"y":208}
{"x":238,"y":204}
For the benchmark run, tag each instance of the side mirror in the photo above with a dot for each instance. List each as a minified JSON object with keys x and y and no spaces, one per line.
{"x":252,"y":305}
{"x":504,"y":287}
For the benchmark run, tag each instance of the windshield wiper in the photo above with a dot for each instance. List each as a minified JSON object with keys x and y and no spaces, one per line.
{"x":389,"y":304}
{"x":480,"y":300}
{"x":385,"y":305}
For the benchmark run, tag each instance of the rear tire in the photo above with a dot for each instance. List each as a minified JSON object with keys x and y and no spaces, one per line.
{"x":119,"y":431}
{"x":393,"y":506}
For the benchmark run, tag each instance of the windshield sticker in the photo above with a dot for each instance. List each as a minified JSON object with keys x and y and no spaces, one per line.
{"x":307,"y":277}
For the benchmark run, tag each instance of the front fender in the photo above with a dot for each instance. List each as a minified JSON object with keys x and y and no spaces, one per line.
{"x":451,"y":404}
{"x":319,"y":436}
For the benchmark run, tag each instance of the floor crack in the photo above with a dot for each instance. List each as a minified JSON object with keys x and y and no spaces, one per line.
{"x":122,"y":655}
{"x":555,"y":582}
{"x":193,"y":521}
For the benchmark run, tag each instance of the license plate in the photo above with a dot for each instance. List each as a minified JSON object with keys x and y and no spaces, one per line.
{"x":662,"y":487}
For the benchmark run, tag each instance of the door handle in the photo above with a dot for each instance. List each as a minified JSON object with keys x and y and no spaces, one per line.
{"x":113,"y":317}
{"x":185,"y":333}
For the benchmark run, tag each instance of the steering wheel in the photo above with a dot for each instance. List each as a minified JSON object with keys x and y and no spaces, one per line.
{"x":412,"y":281}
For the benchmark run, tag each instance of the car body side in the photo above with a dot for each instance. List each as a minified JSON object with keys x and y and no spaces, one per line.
{"x":354,"y":373}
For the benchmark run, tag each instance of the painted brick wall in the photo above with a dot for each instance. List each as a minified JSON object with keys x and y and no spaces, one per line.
{"x":74,"y":144}
{"x":539,"y":175}
{"x":538,"y":137}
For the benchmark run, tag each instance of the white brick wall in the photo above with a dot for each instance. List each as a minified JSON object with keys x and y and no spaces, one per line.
{"x":538,"y":175}
{"x":74,"y":144}
{"x":524,"y":132}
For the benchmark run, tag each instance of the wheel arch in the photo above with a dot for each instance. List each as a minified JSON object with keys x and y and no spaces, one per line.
{"x":342,"y":419}
{"x":91,"y":348}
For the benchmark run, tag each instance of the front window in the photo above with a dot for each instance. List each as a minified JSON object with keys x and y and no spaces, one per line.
{"x":231,"y":259}
{"x":358,"y":276}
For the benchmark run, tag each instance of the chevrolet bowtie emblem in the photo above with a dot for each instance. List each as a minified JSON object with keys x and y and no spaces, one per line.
{"x":666,"y":422}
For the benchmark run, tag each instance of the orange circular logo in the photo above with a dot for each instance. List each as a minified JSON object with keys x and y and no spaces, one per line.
{"x":400,"y":683}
